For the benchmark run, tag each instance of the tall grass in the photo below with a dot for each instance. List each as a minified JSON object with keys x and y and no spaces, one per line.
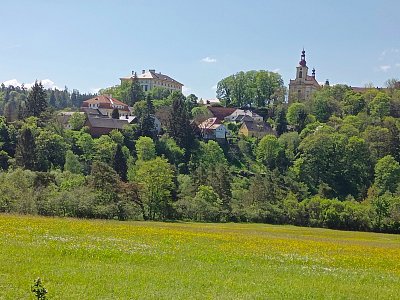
{"x":82,"y":259}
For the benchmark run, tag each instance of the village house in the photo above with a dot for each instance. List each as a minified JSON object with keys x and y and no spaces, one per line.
{"x":150,"y":79}
{"x":105,"y":105}
{"x":240,"y":115}
{"x":255,"y":129}
{"x":220,"y":113}
{"x":212,"y":129}
{"x":99,"y":126}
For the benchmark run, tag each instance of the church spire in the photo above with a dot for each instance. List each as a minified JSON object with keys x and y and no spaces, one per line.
{"x":303,"y":62}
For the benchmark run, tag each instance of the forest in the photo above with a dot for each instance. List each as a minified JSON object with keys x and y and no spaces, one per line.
{"x":334,"y":161}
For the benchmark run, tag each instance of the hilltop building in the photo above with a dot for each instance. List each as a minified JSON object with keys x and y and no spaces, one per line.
{"x":301,"y":88}
{"x":150,"y":79}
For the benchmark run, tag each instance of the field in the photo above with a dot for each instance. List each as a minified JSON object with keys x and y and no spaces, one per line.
{"x":82,"y":259}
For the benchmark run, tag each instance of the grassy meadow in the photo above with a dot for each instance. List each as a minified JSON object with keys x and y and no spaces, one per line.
{"x":91,"y":259}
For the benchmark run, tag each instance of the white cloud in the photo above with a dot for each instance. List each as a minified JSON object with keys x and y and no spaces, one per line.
{"x":385,"y":68}
{"x":389,"y":52}
{"x":214,"y":87}
{"x":47,"y":84}
{"x":276,"y":70}
{"x":209,"y":60}
{"x":397,"y":65}
{"x":13,"y":82}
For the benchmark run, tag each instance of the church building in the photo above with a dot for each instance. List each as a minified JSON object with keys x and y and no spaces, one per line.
{"x":301,"y":88}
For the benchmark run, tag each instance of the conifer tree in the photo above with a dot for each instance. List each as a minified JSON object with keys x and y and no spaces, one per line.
{"x":135,"y":93}
{"x":25,"y":155}
{"x":120,"y":164}
{"x":179,"y":127}
{"x":36,"y":102}
{"x":147,"y":126}
{"x":52,"y":99}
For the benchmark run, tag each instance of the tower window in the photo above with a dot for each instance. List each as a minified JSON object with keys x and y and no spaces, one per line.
{"x":301,"y":74}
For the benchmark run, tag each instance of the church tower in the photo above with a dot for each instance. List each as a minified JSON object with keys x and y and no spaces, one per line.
{"x":301,"y":88}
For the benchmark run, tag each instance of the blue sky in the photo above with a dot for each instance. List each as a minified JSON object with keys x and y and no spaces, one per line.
{"x":90,"y":44}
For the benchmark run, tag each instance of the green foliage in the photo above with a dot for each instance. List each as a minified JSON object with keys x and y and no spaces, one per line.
{"x":25,"y":155}
{"x":387,"y":174}
{"x":204,"y":206}
{"x":167,"y":147}
{"x":255,"y":88}
{"x":269,"y":151}
{"x":145,"y":149}
{"x":72,"y":163}
{"x":155,"y":177}
{"x":77,"y":121}
{"x":379,"y":107}
{"x":120,"y":163}
{"x":297,"y":116}
{"x":51,"y":150}
{"x":36,"y":103}
{"x":38,"y":289}
{"x":178,"y":126}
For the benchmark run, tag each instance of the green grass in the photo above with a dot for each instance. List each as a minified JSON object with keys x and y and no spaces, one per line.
{"x":82,"y":259}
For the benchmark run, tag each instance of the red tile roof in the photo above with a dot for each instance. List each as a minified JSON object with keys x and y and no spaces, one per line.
{"x":105,"y":101}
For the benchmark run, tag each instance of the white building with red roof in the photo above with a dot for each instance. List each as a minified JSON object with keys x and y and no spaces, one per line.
{"x":301,"y":88}
{"x":213,"y":129}
{"x":105,"y":104}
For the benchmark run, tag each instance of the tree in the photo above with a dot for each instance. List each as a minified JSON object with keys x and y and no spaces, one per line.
{"x":387,"y":174}
{"x":210,"y":167}
{"x":179,"y":127}
{"x":36,"y":103}
{"x":204,"y":206}
{"x":252,"y":88}
{"x":145,"y":149}
{"x":72,"y":163}
{"x":77,"y":121}
{"x":115,"y":113}
{"x":25,"y":155}
{"x":120,"y":163}
{"x":51,"y":150}
{"x":155,"y":178}
{"x":297,"y":116}
{"x":281,"y":121}
{"x":379,"y":107}
{"x":269,"y":151}
{"x":52,"y":99}
{"x":147,"y":125}
{"x":135,"y":92}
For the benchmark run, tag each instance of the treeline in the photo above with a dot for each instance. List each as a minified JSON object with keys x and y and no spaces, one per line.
{"x":13,"y":100}
{"x":334,"y":163}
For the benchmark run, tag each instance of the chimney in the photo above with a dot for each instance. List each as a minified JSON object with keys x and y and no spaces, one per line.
{"x":143,"y":71}
{"x":152,"y":71}
{"x":133,"y":72}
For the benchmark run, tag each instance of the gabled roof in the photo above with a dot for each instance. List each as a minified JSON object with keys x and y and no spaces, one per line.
{"x":257,"y":126}
{"x":105,"y":101}
{"x":151,"y":74}
{"x":221,"y":112}
{"x":242,"y":118}
{"x":106,"y":122}
{"x":210,"y":125}
{"x":92,"y":112}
